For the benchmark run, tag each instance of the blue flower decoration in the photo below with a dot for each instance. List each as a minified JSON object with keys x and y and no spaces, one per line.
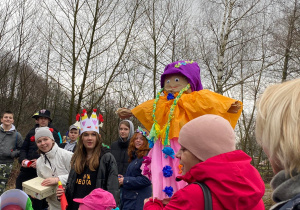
{"x":167,"y":171}
{"x":150,"y":141}
{"x":170,"y":96}
{"x":168,"y":191}
{"x":151,"y":144}
{"x":168,"y":151}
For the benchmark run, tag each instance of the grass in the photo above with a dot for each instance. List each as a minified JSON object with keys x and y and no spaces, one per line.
{"x":267,"y":197}
{"x":11,"y":184}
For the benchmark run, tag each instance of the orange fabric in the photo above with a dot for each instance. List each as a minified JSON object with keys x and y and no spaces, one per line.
{"x":189,"y":106}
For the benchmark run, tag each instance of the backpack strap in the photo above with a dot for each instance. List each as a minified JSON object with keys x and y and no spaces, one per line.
{"x":16,"y":144}
{"x":206,"y":194}
{"x":294,"y":204}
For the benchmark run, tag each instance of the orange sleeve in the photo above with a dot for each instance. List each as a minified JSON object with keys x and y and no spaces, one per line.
{"x":189,"y":106}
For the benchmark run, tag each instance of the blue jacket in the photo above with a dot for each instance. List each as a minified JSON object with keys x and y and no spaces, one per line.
{"x":136,"y":187}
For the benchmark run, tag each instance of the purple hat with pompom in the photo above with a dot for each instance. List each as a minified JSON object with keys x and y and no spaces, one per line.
{"x":189,"y":69}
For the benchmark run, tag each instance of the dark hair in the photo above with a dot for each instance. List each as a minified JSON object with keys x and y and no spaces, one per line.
{"x":6,"y":112}
{"x":141,"y":152}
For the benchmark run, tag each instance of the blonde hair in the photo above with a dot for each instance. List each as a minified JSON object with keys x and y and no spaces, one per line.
{"x":278,"y":124}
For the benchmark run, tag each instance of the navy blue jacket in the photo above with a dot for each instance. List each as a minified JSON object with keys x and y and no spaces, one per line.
{"x":136,"y":187}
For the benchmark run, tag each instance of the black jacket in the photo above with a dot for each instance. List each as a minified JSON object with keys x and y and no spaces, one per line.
{"x":107,"y":176}
{"x":119,"y":149}
{"x":29,"y":148}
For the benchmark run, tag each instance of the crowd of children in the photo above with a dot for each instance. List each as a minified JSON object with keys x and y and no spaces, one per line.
{"x":189,"y":142}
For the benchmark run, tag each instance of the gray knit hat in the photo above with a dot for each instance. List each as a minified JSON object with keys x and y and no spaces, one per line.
{"x":43,"y":131}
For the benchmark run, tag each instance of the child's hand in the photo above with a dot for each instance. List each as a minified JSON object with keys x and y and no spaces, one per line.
{"x":50,"y":181}
{"x":59,"y":192}
{"x":33,"y":165}
{"x":166,"y":201}
{"x":121,"y":179}
{"x":146,"y":200}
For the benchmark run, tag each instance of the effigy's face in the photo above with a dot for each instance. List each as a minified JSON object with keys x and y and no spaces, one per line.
{"x":174,"y":83}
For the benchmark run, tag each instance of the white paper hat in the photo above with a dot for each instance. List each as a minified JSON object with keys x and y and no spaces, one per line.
{"x":90,"y":124}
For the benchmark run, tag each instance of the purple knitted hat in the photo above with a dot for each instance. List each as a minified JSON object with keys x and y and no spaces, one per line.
{"x":189,"y":69}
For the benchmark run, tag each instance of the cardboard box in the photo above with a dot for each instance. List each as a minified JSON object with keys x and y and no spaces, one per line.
{"x":34,"y":188}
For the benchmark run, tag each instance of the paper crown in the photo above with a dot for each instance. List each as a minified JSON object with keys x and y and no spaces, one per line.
{"x":77,"y":123}
{"x":92,"y":123}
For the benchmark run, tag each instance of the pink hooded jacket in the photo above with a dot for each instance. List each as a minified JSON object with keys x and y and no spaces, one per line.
{"x":234,"y":184}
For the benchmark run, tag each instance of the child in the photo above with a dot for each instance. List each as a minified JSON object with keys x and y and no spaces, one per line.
{"x":10,"y":144}
{"x":29,"y":153}
{"x":73,"y":135}
{"x":93,"y":166}
{"x":136,"y":187}
{"x":183,"y":99}
{"x":119,"y":148}
{"x":98,"y":199}
{"x":208,"y":156}
{"x":54,"y":163}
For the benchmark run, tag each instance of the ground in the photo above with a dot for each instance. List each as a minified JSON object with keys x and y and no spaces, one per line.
{"x":267,"y":197}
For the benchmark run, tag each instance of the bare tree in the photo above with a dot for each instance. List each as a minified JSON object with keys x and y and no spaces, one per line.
{"x":93,"y":30}
{"x":286,"y":38}
{"x":159,"y":30}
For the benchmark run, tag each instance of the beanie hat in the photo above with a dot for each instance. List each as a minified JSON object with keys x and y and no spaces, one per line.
{"x":43,"y":131}
{"x":207,"y":136}
{"x":189,"y":69}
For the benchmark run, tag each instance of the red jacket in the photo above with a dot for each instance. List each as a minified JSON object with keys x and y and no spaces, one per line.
{"x":234,"y":184}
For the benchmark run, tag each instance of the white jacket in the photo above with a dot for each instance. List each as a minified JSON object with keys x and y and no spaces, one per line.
{"x":60,"y":160}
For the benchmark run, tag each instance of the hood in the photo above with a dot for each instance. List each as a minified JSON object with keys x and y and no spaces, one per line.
{"x":11,"y":130}
{"x":131,"y":130}
{"x":284,"y":186}
{"x":231,"y":178}
{"x":105,"y":149}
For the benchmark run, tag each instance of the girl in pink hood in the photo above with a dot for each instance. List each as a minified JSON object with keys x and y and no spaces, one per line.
{"x":208,"y":155}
